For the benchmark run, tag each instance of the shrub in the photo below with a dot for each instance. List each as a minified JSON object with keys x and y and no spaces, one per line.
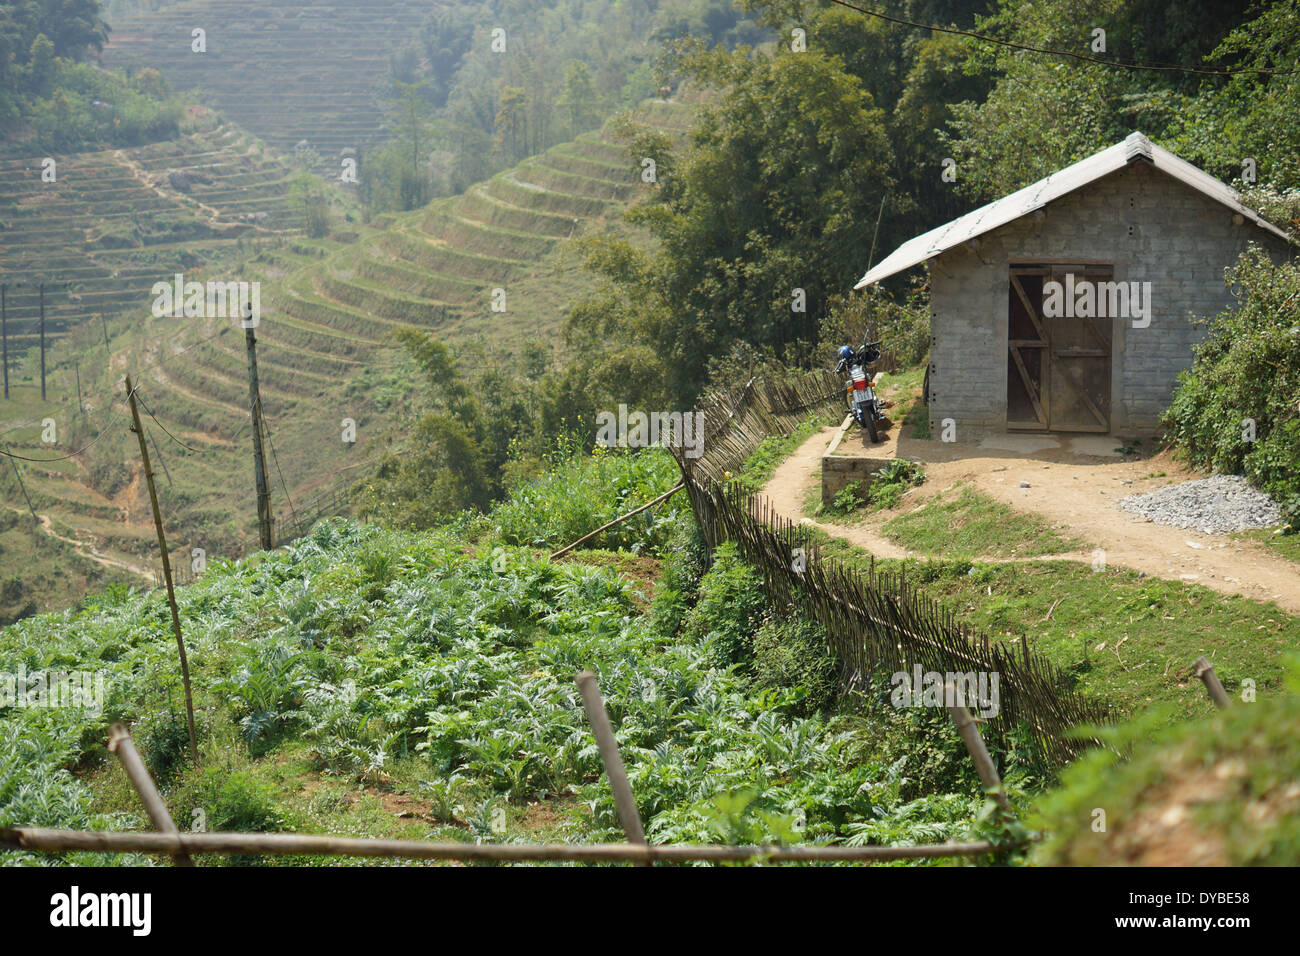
{"x":581,"y":493}
{"x":1219,"y":792}
{"x":730,"y":609}
{"x":685,"y":560}
{"x":236,"y":801}
{"x":793,"y":653}
{"x":1236,"y":410}
{"x":892,"y":482}
{"x":847,"y":500}
{"x":163,"y":739}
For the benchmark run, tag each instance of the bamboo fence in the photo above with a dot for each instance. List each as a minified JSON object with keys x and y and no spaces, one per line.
{"x":875,"y":621}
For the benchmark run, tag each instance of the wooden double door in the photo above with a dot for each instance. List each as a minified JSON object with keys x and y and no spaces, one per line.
{"x":1058,"y":368}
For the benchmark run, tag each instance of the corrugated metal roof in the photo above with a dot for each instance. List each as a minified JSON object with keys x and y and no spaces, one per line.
{"x":1135,"y":148}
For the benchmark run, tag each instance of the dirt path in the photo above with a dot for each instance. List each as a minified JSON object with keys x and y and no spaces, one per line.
{"x":88,"y":551}
{"x":209,"y":215}
{"x":1076,"y":494}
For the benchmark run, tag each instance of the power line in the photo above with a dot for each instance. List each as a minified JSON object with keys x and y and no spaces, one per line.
{"x":276,"y":459}
{"x":1087,"y":58}
{"x":104,"y":431}
{"x":161,"y":425}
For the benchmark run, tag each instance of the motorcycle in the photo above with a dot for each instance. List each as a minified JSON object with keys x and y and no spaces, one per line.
{"x":858,"y":391}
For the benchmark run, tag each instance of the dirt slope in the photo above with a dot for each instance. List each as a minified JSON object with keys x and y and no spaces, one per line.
{"x":1076,"y":492}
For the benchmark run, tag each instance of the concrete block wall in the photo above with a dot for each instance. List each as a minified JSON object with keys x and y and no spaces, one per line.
{"x":839,"y":471}
{"x":1150,"y":227}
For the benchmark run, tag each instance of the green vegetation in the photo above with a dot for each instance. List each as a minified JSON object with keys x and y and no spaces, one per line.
{"x":971,"y":524}
{"x":579,"y":494}
{"x":1287,"y":545}
{"x":1221,"y":792}
{"x":1122,"y":636}
{"x":783,"y":175}
{"x":50,"y":99}
{"x":846,"y":501}
{"x":1238,"y":409}
{"x":885,"y":491}
{"x":435,"y":670}
{"x":1062,"y":112}
{"x":893,"y":481}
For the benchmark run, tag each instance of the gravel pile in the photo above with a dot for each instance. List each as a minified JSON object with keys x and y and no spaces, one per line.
{"x":1213,"y":505}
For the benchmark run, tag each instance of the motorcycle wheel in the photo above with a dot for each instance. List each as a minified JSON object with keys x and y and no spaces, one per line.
{"x":871,"y":427}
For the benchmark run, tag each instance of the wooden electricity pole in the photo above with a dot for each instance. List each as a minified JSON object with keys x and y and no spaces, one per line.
{"x":167,"y":569}
{"x":4,"y":333}
{"x":259,"y":459}
{"x":76,"y":367}
{"x":19,"y":475}
{"x":42,"y":341}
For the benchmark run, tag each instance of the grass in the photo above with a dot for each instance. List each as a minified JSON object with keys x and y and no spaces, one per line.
{"x":1124,"y":638}
{"x":1220,"y":793}
{"x":1286,"y":545}
{"x":972,"y":524}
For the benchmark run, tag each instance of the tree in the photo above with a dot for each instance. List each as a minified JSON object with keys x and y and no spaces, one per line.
{"x":578,"y":100}
{"x":511,"y":125}
{"x":771,"y":211}
{"x":307,"y":192}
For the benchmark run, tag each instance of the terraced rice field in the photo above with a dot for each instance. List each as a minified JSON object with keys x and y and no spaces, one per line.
{"x":286,"y":71}
{"x":328,"y":309}
{"x":112,"y":224}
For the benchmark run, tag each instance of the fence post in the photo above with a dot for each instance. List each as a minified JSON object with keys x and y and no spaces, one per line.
{"x":120,"y":743}
{"x":1205,"y":671}
{"x":979,"y":754}
{"x":609,"y":755}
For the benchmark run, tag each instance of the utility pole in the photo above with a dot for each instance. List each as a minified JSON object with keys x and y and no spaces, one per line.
{"x":76,"y":366}
{"x":160,"y":459}
{"x":42,"y":341}
{"x":4,"y":333}
{"x":167,"y":570}
{"x":14,"y":461}
{"x":103,"y":321}
{"x":259,"y":459}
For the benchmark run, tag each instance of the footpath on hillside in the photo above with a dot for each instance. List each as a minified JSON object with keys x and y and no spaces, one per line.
{"x":1073,"y":492}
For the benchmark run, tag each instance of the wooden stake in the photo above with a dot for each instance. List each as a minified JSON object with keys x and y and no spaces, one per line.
{"x":1205,"y":671}
{"x":293,"y":844}
{"x":635,"y":511}
{"x":167,"y":570}
{"x":259,"y":457}
{"x":970,"y":736}
{"x":609,"y":755}
{"x":120,"y":743}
